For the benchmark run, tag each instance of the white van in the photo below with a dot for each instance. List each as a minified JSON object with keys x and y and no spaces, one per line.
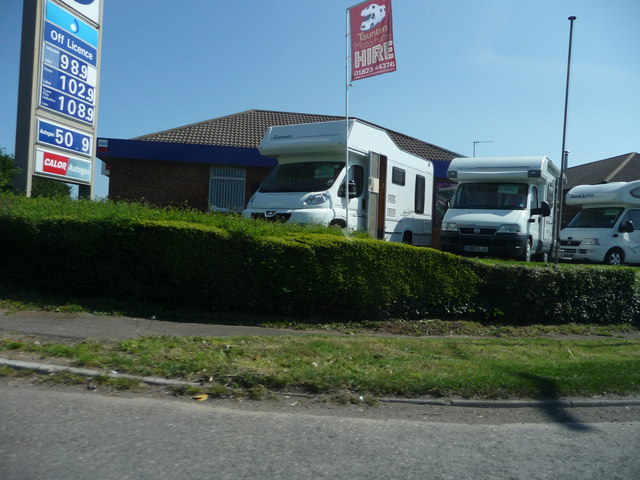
{"x":390,"y":190}
{"x":501,"y":207}
{"x":607,"y":229}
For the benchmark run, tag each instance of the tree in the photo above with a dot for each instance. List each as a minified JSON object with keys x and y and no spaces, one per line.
{"x":40,"y":187}
{"x":45,"y":187}
{"x":7,"y":170}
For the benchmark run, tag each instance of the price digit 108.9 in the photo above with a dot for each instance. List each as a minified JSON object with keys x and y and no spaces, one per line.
{"x":76,"y":109}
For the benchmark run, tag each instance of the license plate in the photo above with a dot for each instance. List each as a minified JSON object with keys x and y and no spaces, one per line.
{"x":476,"y":248}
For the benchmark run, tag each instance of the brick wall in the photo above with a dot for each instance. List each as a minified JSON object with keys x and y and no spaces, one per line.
{"x":170,"y":183}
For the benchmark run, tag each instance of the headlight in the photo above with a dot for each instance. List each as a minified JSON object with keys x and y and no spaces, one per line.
{"x":590,"y":241}
{"x":317,"y":199}
{"x":509,"y":228}
{"x":449,"y":227}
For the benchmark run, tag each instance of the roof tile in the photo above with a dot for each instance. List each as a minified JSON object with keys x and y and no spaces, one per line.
{"x":246,"y":129}
{"x":623,"y":168}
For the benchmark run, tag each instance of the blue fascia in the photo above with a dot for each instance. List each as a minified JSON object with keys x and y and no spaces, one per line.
{"x":181,"y":152}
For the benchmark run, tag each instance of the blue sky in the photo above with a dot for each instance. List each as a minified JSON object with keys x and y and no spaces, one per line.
{"x":487,"y":70}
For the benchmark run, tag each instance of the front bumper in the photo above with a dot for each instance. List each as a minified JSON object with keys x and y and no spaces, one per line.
{"x":322,"y":216}
{"x":497,"y":245}
{"x":582,"y":253}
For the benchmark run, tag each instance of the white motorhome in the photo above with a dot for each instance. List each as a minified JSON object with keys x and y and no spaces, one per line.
{"x":607,"y":228}
{"x":501,"y":207}
{"x":374,"y":14}
{"x":390,"y":191}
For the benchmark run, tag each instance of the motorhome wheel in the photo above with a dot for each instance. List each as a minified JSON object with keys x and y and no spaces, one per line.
{"x":526,"y":257}
{"x":615,"y":256}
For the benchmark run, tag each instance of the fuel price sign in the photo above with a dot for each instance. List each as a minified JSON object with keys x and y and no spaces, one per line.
{"x":66,"y":138}
{"x":69,"y":59}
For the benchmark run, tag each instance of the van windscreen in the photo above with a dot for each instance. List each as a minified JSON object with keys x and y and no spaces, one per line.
{"x":491,"y":196}
{"x":603,"y":217}
{"x":302,"y":177}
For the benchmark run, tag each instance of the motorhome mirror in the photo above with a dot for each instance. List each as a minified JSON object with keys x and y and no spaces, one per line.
{"x":544,"y":209}
{"x":626,"y":227}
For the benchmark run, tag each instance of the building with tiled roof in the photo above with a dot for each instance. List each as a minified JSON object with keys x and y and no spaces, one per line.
{"x":246,"y":129}
{"x":623,"y":168}
{"x":188,"y":164}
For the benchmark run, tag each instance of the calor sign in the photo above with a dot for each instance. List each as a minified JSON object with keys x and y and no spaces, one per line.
{"x":68,"y":168}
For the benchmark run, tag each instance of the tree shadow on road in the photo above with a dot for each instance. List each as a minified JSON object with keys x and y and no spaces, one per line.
{"x":549,"y":393}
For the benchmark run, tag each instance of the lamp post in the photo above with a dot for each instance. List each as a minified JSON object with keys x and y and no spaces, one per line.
{"x":564,"y":154}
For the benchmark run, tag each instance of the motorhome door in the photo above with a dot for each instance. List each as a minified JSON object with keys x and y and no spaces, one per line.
{"x":537,"y":222}
{"x":357,"y":212}
{"x":377,"y":194}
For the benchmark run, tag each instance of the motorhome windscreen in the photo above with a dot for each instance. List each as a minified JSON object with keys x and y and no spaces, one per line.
{"x":302,"y":177}
{"x":602,"y":217}
{"x":491,"y":196}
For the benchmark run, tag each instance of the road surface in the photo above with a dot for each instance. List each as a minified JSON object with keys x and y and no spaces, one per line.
{"x":70,"y":433}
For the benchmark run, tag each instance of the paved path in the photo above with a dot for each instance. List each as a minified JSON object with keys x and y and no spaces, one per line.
{"x":82,"y":325}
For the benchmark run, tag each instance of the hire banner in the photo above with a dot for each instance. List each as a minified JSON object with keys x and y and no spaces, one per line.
{"x":372,"y":51}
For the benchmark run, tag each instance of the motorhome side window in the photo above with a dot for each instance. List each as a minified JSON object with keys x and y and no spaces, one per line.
{"x":534,"y":197}
{"x":491,"y":196}
{"x":420,"y":194}
{"x":356,"y":174}
{"x":551,"y":192}
{"x":398,"y":176}
{"x":302,"y":177}
{"x":599,"y":217}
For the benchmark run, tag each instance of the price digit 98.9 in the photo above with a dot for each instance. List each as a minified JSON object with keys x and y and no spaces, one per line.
{"x":73,"y":66}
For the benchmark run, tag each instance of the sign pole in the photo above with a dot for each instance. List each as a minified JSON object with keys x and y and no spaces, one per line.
{"x":563,"y":156}
{"x":346,"y":120}
{"x":27,"y":95}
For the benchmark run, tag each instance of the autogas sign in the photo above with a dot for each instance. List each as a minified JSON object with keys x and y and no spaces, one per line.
{"x":69,"y":65}
{"x":59,"y":136}
{"x":65,"y":167}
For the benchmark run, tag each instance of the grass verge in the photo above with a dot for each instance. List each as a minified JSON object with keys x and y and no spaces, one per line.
{"x":493,"y":368}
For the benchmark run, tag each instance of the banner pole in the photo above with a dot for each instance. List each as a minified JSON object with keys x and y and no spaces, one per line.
{"x":346,"y":121}
{"x":563,"y":156}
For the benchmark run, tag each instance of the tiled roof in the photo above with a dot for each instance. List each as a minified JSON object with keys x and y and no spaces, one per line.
{"x":246,"y":129}
{"x":623,"y":168}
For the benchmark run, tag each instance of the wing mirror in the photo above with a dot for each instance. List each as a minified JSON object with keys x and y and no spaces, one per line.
{"x":626,"y":227}
{"x":544,"y":209}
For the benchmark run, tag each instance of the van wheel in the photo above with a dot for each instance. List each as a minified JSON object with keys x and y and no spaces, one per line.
{"x":407,"y":238}
{"x":338,"y":224}
{"x":615,"y":256}
{"x":543,"y":257}
{"x":526,"y":256}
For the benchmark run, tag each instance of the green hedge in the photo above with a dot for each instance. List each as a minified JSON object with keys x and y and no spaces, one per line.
{"x":182,"y":264}
{"x":185,"y":264}
{"x":553,"y":294}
